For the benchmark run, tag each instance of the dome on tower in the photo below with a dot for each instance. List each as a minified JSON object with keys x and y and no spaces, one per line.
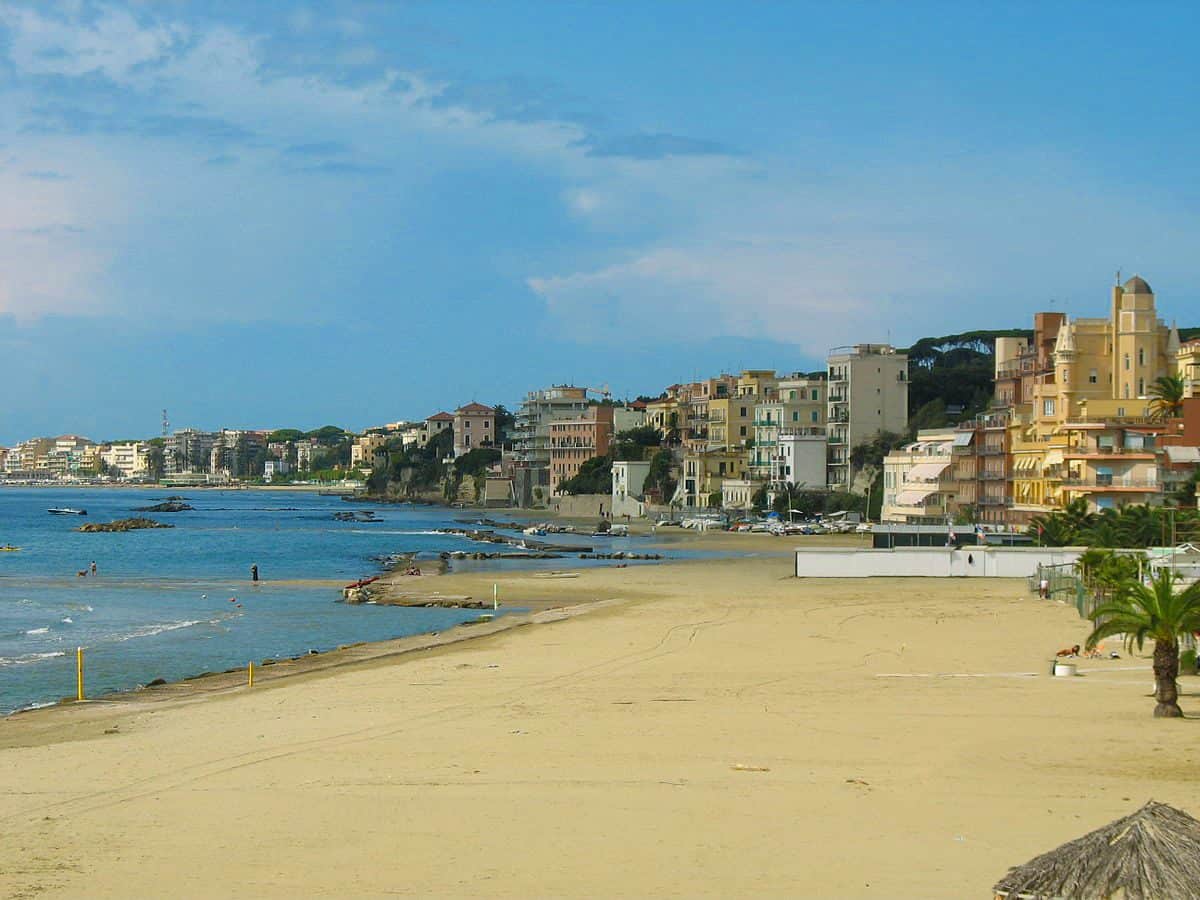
{"x":1137,"y":285}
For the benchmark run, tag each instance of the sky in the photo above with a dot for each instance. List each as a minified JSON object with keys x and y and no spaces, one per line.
{"x":293,"y":214}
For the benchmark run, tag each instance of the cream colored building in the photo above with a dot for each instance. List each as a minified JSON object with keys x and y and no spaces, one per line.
{"x":919,"y":485}
{"x":128,"y":459}
{"x":868,"y":394}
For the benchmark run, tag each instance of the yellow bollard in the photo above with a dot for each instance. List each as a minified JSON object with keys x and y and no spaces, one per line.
{"x":78,"y":673}
{"x":250,"y":675}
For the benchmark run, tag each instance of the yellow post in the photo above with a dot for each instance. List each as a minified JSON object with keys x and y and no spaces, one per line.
{"x":78,"y":673}
{"x":250,"y":675}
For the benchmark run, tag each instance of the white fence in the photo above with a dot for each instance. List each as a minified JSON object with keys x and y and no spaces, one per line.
{"x":930,"y":562}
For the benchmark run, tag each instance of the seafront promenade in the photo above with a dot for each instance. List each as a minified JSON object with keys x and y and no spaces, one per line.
{"x":714,"y":728}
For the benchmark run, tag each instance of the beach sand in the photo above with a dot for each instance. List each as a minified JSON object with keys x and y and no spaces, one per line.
{"x":713,"y":729}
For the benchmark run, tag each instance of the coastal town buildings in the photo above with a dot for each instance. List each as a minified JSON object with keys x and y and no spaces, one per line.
{"x":868,"y":394}
{"x":474,"y":426}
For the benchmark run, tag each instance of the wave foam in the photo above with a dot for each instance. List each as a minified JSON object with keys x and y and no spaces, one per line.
{"x":38,"y":630}
{"x":29,"y":658}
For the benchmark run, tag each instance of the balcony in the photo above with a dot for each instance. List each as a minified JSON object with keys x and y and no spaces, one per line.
{"x":989,"y":450}
{"x":995,"y":501}
{"x":1107,"y":452}
{"x":1113,"y":483}
{"x":992,"y":476}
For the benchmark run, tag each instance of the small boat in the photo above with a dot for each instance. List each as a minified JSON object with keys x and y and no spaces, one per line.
{"x":66,"y":511}
{"x":9,"y":548}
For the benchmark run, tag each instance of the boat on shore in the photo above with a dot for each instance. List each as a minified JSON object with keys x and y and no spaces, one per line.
{"x":66,"y":511}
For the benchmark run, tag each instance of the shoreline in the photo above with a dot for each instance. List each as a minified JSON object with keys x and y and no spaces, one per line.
{"x":542,"y":604}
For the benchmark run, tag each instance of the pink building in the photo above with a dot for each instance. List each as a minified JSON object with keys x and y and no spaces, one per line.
{"x":574,"y":441}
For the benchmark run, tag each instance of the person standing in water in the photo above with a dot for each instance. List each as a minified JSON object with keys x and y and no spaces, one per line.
{"x":93,"y":567}
{"x":254,"y":572}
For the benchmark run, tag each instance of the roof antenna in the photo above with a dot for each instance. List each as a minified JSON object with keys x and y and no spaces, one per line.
{"x":1118,"y":276}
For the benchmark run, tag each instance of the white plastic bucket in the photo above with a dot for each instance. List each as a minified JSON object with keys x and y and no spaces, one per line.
{"x":1064,"y":669}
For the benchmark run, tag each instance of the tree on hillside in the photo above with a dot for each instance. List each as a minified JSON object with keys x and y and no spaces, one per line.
{"x":595,"y":477}
{"x":1167,"y":396}
{"x":326,"y":434}
{"x":281,"y":435}
{"x":1160,"y":611}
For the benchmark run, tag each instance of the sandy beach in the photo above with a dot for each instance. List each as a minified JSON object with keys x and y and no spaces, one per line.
{"x":708,"y":729}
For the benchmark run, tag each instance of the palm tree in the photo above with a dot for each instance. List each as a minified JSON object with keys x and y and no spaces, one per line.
{"x":1157,"y":611}
{"x":1167,"y":394}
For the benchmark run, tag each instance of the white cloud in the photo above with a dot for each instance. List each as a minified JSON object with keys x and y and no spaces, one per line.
{"x":113,"y":44}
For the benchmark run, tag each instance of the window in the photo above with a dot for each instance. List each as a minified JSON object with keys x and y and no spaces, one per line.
{"x":743,"y":412}
{"x":1141,"y":387}
{"x":1093,"y":376}
{"x":795,"y":415}
{"x":743,"y":431}
{"x":1126,"y":362}
{"x":1066,"y":379}
{"x":1141,"y":356}
{"x":1127,"y":390}
{"x":791,"y":395}
{"x":814,"y":393}
{"x":1048,"y":406}
{"x":814,"y":415}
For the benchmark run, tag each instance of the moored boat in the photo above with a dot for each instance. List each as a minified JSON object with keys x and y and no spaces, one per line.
{"x":66,"y":511}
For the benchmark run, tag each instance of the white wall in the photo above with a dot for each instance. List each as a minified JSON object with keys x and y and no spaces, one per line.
{"x":929,"y":562}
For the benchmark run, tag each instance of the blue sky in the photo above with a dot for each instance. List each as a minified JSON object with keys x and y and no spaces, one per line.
{"x":358,"y":212}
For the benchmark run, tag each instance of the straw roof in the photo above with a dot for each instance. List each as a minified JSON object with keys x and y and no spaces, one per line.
{"x":1153,"y":853}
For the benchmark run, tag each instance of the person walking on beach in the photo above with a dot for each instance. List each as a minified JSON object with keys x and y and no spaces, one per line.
{"x":93,"y":567}
{"x":254,"y":572}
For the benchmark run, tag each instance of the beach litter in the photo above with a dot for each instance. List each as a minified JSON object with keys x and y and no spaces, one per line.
{"x":742,"y":767}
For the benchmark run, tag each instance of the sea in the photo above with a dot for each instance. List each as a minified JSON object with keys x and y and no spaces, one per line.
{"x":175,"y":602}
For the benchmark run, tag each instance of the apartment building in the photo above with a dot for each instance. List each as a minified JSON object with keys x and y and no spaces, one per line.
{"x":189,"y":451}
{"x":867,"y":394}
{"x":798,"y":406}
{"x":574,"y":441}
{"x":127,"y":460}
{"x":531,"y":428}
{"x":919,"y":483}
{"x":362,"y":451}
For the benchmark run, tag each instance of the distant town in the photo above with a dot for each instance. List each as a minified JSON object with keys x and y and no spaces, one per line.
{"x":986,"y":427}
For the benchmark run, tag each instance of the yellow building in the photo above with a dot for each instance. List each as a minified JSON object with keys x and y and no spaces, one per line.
{"x":1079,"y":400}
{"x":703,"y":474}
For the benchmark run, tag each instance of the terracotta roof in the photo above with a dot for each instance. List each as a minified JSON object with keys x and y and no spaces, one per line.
{"x":440,"y":417}
{"x":475,"y":408}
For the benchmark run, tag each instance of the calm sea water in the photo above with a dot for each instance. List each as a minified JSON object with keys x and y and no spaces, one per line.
{"x":170,"y":603}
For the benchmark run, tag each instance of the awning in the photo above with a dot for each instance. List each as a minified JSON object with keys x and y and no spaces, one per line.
{"x":1024,"y":463}
{"x":912,"y":498}
{"x":1178,"y":455}
{"x":964,"y":438}
{"x":926,"y":471}
{"x":1053,"y":458}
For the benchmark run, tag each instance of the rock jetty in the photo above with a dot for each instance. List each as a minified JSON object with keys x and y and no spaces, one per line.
{"x":122,"y":525}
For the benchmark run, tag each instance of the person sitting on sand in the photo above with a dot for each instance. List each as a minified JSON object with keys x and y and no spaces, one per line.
{"x":82,"y":573}
{"x":1069,"y":651}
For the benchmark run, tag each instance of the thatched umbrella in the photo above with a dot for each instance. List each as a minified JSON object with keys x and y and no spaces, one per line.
{"x":1151,"y":854}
